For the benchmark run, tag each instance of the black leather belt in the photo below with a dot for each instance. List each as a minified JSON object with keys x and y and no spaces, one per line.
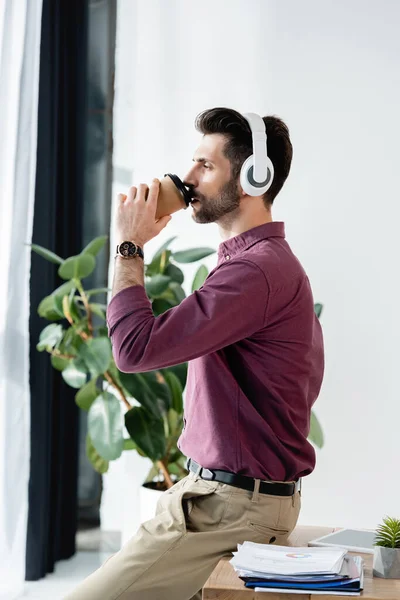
{"x":242,"y":481}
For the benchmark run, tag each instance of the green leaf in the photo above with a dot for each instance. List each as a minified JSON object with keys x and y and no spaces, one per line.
{"x":160,"y":305}
{"x":147,"y":432}
{"x":177,"y":456}
{"x":96,"y":353}
{"x":98,"y":309}
{"x":157,"y":285}
{"x":174,"y":423}
{"x":138,"y":388}
{"x":114,"y":372}
{"x":95,"y":245}
{"x":75,"y":374}
{"x":177,"y":464}
{"x":164,"y":246}
{"x":99,"y":464}
{"x":47,"y":254}
{"x":59,"y":363}
{"x":72,"y":342}
{"x":316,"y":435}
{"x":159,"y":388}
{"x":200,"y":277}
{"x":318,"y":309}
{"x":102,"y":330}
{"x":77,"y":267}
{"x":94,"y":291}
{"x":175,"y":388}
{"x":64,"y":304}
{"x":182,"y":461}
{"x":192,"y":254}
{"x":129,"y":444}
{"x":178,"y":291}
{"x":181,"y":372}
{"x":87,"y":395}
{"x":169,"y":296}
{"x":58,"y":305}
{"x":176,"y":469}
{"x":64,"y":289}
{"x":105,"y":426}
{"x":50,"y":337}
{"x":174,"y":273}
{"x":47,"y":310}
{"x":388,"y":533}
{"x":158,"y":264}
{"x":69,"y":304}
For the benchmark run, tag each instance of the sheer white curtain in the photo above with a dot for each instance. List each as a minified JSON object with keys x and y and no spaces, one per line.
{"x":20,"y":25}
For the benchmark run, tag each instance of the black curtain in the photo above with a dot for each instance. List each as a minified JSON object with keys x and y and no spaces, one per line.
{"x":52,"y":518}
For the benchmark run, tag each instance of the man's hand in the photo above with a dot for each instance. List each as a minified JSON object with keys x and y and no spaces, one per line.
{"x":136,"y":220}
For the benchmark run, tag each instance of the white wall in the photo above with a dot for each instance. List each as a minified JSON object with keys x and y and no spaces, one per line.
{"x":331,"y":71}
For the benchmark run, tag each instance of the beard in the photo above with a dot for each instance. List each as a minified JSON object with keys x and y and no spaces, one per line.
{"x":212,"y":209}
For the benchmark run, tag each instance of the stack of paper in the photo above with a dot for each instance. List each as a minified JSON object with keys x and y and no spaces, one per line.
{"x":268,"y":568}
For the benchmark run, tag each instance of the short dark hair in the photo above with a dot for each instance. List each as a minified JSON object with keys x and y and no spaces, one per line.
{"x":239,"y":146}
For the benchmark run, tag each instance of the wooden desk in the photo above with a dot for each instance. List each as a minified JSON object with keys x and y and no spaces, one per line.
{"x":224,"y":584}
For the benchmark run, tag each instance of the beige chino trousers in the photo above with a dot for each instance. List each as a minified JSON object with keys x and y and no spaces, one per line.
{"x":196,"y":524}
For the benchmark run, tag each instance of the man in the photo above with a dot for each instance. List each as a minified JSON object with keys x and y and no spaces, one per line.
{"x":256,"y":364}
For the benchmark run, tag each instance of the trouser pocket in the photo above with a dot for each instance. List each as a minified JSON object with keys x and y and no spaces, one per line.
{"x":185,"y":504}
{"x":273,"y":518}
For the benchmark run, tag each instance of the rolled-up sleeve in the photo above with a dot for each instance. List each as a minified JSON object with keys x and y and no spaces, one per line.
{"x":230,"y":306}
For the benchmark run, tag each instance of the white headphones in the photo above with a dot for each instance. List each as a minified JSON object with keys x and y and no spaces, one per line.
{"x":257,"y":172}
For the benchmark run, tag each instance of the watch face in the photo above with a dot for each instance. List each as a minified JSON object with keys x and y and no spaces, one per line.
{"x":127,"y":249}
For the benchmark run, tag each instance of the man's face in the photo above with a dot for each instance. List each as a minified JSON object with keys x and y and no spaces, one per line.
{"x":210,"y":180}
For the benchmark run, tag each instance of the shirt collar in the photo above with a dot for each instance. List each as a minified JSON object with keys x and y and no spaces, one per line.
{"x":244,"y":240}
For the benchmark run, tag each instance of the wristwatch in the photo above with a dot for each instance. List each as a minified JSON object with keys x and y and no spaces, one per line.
{"x":129,"y":250}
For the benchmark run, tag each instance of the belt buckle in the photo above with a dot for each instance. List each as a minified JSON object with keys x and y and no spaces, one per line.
{"x":195,"y":468}
{"x":207,"y":474}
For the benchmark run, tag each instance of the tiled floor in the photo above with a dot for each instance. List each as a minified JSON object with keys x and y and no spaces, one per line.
{"x":94,"y":547}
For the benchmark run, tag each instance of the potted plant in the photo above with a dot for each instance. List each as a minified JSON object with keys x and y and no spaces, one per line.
{"x":135,"y":411}
{"x":147,"y":406}
{"x":387,"y":549}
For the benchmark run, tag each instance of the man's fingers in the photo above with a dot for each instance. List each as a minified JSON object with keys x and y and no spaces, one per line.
{"x":132,"y":193}
{"x":163,"y":222}
{"x":153,"y":194}
{"x":142,"y":192}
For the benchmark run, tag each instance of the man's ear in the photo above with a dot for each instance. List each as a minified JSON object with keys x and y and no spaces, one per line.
{"x":241,"y":191}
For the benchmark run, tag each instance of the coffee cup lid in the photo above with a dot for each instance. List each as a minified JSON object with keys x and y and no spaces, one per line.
{"x":184,"y":190}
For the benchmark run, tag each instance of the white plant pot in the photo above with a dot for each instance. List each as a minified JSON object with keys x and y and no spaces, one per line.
{"x":386,"y":562}
{"x":145,"y":510}
{"x":148,"y":503}
{"x":135,"y":469}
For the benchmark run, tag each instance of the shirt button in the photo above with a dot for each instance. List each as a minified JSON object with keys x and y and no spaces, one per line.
{"x":227,"y":257}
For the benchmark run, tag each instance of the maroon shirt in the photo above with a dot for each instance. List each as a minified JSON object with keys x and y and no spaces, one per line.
{"x":256,"y":356}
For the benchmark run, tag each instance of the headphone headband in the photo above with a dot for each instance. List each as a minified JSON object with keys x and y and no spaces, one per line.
{"x":257,"y":126}
{"x":257,"y":171}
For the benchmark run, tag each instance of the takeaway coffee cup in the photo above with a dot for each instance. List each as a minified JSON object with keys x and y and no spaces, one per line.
{"x":172,"y":196}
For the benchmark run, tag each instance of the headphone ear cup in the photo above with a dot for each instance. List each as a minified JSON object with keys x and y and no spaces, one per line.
{"x":244,"y":176}
{"x":249,"y":185}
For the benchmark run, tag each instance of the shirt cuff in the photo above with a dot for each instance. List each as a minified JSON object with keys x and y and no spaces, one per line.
{"x":125,"y":303}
